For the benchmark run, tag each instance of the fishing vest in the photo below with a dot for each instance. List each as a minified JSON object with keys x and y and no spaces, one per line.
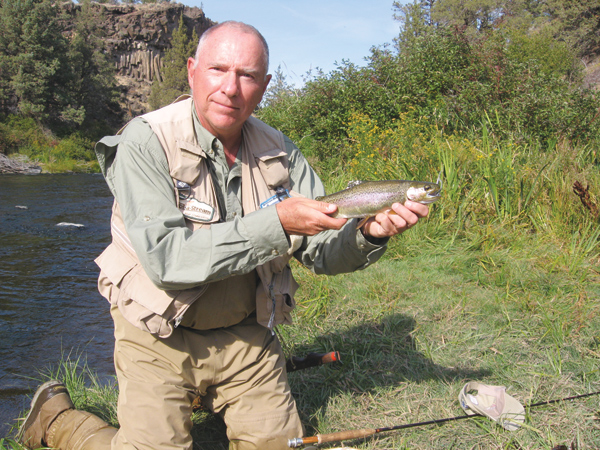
{"x":124,"y":282}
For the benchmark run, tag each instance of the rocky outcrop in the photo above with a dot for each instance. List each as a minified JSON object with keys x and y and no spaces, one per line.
{"x":136,"y":37}
{"x":18,"y":164}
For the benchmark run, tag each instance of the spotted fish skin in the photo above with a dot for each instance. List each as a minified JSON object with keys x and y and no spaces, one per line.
{"x":363,"y":199}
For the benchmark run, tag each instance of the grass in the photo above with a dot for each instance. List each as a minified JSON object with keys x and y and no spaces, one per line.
{"x":413,"y":329}
{"x":499,"y":285}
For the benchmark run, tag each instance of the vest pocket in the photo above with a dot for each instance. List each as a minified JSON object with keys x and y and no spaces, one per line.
{"x":273,"y":167}
{"x":201,"y":207}
{"x":185,"y":164}
{"x":142,"y":303}
{"x":129,"y":276}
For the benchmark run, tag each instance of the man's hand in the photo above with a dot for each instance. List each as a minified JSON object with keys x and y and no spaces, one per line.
{"x":306,"y":217}
{"x":389,"y":224}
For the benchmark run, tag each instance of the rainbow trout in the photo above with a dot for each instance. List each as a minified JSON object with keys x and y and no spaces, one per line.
{"x":364,"y":199}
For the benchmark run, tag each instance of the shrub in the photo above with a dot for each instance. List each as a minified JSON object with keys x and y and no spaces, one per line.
{"x":74,"y":153}
{"x":449,"y":81}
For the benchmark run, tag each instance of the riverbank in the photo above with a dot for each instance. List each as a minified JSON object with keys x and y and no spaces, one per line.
{"x":19,"y":164}
{"x":22,"y":164}
{"x":24,"y":140}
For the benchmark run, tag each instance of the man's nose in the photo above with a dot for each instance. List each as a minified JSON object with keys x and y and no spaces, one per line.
{"x":230,"y":84}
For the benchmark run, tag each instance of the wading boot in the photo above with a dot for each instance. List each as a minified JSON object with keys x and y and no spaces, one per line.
{"x":50,"y":400}
{"x":80,"y":430}
{"x":54,"y":422}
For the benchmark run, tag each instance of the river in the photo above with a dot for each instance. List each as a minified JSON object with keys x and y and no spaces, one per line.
{"x":49,"y":303}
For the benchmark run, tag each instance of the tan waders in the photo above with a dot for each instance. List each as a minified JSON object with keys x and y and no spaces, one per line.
{"x":239,"y":371}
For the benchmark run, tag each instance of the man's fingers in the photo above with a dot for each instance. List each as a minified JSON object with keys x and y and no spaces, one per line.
{"x":307,"y":217}
{"x":419,"y":209}
{"x":325,"y":208}
{"x":398,"y":220}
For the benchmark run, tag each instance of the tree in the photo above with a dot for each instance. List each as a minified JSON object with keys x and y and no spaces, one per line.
{"x":279,"y":89}
{"x":34,"y":64}
{"x":577,"y":22}
{"x":174,"y":73}
{"x":61,"y":83}
{"x":415,"y":21}
{"x":93,"y":94}
{"x":472,"y":14}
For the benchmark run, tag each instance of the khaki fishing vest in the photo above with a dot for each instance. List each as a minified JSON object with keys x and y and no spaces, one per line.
{"x":123,"y":280}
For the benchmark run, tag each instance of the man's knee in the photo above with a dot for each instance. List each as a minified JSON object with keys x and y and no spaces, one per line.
{"x":264,"y":433}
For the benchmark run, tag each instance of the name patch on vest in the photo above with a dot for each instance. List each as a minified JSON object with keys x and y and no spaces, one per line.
{"x":196,"y":210}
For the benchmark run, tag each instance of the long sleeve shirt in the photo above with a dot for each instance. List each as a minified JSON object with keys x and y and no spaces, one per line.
{"x":174,"y":257}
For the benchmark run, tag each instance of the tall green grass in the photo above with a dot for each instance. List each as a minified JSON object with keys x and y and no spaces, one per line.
{"x":72,"y":153}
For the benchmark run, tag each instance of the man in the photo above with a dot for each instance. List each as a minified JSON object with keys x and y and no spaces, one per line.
{"x":197,"y":272}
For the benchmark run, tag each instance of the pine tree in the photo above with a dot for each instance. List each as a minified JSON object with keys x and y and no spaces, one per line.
{"x":415,"y":20}
{"x":62,"y":83}
{"x":34,"y":65}
{"x":93,"y":92}
{"x":174,"y":73}
{"x":577,"y":22}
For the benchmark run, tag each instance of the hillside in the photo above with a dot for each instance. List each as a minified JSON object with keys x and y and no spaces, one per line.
{"x":136,"y":37}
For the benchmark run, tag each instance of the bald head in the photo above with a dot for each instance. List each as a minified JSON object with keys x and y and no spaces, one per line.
{"x":231,"y":24}
{"x":228,"y":78}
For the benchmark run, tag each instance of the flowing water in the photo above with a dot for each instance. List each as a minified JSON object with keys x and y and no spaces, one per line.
{"x":49,"y":303}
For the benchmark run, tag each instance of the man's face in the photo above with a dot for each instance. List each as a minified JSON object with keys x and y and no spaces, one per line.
{"x":228,"y":81}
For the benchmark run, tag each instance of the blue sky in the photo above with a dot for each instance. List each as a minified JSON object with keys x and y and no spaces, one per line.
{"x":304,"y":35}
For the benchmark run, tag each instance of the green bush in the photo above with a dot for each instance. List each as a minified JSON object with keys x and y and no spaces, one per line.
{"x":454,"y":83}
{"x":76,"y":147}
{"x":17,"y":132}
{"x":73,"y":153}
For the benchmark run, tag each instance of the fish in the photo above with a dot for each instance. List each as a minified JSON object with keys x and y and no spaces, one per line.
{"x":365,"y":199}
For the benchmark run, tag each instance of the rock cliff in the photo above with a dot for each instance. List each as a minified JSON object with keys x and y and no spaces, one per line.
{"x":136,"y":37}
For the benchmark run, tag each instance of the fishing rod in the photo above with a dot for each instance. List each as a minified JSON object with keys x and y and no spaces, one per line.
{"x":366,"y":432}
{"x":311,"y":360}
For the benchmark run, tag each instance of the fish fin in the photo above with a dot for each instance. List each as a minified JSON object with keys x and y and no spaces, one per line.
{"x":362,"y":221}
{"x":354,"y":183}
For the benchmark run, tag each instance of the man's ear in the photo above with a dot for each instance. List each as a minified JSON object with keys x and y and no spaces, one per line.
{"x":267,"y":81}
{"x":191,"y":62}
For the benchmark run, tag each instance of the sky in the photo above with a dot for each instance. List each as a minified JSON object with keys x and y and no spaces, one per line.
{"x":310,"y":34}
